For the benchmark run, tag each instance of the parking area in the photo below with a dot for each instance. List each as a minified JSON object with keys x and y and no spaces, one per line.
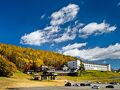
{"x":102,"y":87}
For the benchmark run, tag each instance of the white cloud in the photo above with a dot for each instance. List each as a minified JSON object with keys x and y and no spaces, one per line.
{"x":43,"y":16}
{"x":64,"y":15}
{"x":52,"y":33}
{"x":70,"y":34}
{"x":97,"y":53}
{"x":95,"y":28}
{"x":55,"y":33}
{"x":52,"y":29}
{"x":73,"y":46}
{"x":34,"y":38}
{"x":118,"y":4}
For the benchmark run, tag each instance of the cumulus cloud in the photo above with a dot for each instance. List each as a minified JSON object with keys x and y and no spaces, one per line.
{"x":40,"y":36}
{"x":73,"y":46}
{"x":52,"y":33}
{"x":52,"y":29}
{"x":96,"y":28}
{"x":97,"y":53}
{"x":34,"y":38}
{"x":64,"y":15}
{"x":56,"y":32}
{"x":70,"y":34}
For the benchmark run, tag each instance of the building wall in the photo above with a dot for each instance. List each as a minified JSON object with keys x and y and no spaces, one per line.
{"x":95,"y":67}
{"x":109,"y":67}
{"x":88,"y":66}
{"x":74,"y":64}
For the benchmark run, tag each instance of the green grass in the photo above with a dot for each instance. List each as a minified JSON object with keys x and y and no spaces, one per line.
{"x":95,"y":76}
{"x":20,"y":75}
{"x":17,"y":77}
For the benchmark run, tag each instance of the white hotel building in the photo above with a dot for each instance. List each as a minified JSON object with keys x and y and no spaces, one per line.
{"x":89,"y":66}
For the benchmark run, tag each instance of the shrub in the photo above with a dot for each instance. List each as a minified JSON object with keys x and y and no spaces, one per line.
{"x":7,"y":68}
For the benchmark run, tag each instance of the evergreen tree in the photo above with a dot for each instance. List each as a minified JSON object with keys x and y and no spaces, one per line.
{"x":81,"y":69}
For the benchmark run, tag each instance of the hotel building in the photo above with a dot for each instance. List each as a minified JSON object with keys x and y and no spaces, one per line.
{"x":89,"y":66}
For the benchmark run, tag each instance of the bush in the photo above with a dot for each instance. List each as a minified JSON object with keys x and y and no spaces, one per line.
{"x":7,"y":68}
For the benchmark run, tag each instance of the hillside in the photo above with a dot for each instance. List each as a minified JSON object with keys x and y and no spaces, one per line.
{"x":28,"y":58}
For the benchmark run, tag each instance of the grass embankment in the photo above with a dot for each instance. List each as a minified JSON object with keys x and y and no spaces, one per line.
{"x":23,"y":80}
{"x":95,"y":76}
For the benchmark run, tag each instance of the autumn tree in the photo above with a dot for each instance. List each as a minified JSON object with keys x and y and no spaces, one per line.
{"x":7,"y":68}
{"x":28,"y":58}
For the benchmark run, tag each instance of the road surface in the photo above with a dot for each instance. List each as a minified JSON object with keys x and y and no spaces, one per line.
{"x":102,"y":87}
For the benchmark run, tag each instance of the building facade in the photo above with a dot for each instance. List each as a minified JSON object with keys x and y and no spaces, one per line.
{"x":89,"y":66}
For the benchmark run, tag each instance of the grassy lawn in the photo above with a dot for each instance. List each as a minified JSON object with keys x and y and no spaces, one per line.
{"x":22,"y":80}
{"x":18,"y":77}
{"x":94,"y":76}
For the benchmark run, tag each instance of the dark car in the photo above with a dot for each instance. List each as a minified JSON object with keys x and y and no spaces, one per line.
{"x":82,"y":84}
{"x":87,"y":84}
{"x":110,"y":86}
{"x":114,"y":83}
{"x":68,"y":84}
{"x":95,"y":87}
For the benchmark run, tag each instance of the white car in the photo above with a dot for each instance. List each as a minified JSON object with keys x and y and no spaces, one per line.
{"x":95,"y":87}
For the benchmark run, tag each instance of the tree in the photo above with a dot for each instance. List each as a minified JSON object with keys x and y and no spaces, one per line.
{"x":81,"y":69}
{"x":36,"y":64}
{"x":7,"y":68}
{"x":27,"y":58}
{"x":118,"y":70}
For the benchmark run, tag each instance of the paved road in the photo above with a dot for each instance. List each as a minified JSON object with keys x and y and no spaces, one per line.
{"x":102,"y":87}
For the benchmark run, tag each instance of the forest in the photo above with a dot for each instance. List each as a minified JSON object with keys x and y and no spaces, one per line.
{"x":14,"y":58}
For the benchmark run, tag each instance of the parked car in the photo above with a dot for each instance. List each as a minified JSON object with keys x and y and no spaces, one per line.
{"x":87,"y":84}
{"x":76,"y":84}
{"x":82,"y":84}
{"x":68,"y":84}
{"x":30,"y":71}
{"x":110,"y":86}
{"x":114,"y":83}
{"x":95,"y":87}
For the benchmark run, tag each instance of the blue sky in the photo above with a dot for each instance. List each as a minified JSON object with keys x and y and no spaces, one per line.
{"x":89,"y":29}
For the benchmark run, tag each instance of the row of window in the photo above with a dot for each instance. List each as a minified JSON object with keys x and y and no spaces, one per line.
{"x":88,"y":65}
